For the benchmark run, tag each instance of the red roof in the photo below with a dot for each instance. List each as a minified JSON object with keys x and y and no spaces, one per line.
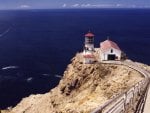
{"x":89,"y":34}
{"x":107,"y":44}
{"x":88,"y":56}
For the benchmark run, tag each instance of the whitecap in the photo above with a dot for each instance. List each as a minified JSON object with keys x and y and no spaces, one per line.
{"x":58,"y":76}
{"x":10,"y":67}
{"x":47,"y":75}
{"x":5,"y":32}
{"x":29,"y":79}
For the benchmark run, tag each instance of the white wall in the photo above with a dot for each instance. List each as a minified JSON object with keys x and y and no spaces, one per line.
{"x":90,"y":46}
{"x":104,"y":55}
{"x":88,"y":60}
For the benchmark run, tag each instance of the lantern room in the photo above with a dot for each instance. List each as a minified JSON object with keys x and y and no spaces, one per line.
{"x":89,"y":41}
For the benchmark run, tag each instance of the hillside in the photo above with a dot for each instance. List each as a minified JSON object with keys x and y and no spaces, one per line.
{"x":82,"y":88}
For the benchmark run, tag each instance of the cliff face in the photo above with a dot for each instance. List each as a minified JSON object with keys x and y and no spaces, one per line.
{"x":82,"y":88}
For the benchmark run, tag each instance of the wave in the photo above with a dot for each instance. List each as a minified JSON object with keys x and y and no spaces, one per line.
{"x":10,"y":67}
{"x":29,"y":79}
{"x":5,"y":32}
{"x":58,"y":76}
{"x":4,"y":78}
{"x":47,"y":75}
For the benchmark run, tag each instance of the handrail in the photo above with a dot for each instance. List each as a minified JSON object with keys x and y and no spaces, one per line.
{"x":141,"y":103}
{"x":123,"y":95}
{"x":107,"y":103}
{"x":132,"y":90}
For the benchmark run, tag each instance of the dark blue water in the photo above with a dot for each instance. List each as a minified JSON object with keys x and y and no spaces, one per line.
{"x":41,"y":42}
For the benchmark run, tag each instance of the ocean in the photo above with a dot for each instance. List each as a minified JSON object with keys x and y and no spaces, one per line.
{"x":37,"y":45}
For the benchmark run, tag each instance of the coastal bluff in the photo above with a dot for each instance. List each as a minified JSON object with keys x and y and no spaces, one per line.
{"x":82,"y":89}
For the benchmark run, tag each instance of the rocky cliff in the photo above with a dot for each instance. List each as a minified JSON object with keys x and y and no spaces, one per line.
{"x":82,"y":88}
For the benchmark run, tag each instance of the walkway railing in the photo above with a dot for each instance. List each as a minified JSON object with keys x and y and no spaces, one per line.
{"x":126,"y":100}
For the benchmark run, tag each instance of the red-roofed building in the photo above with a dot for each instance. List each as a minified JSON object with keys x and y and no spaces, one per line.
{"x":109,"y":50}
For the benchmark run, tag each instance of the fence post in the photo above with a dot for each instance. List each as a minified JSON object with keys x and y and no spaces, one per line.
{"x":125,"y":94}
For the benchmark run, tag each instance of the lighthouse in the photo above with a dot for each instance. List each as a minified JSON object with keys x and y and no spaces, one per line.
{"x":89,"y":41}
{"x":88,"y":51}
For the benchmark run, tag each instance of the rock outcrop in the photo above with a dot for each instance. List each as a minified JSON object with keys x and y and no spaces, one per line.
{"x":82,"y":88}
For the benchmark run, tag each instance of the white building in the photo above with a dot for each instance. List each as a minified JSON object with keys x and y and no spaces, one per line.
{"x":88,"y":51}
{"x":88,"y":58}
{"x":109,"y":50}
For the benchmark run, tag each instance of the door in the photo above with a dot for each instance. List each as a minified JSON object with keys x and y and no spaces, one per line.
{"x":111,"y":56}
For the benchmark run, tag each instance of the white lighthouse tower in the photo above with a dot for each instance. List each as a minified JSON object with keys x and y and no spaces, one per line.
{"x":88,"y":51}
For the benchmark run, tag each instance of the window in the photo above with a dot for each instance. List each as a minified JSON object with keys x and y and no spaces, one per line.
{"x":111,"y":50}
